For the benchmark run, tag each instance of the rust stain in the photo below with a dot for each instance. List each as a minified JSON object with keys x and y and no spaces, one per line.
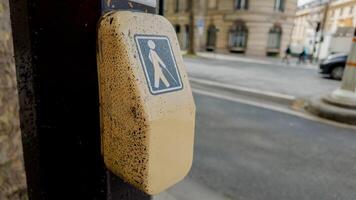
{"x":354,"y":39}
{"x":351,"y":64}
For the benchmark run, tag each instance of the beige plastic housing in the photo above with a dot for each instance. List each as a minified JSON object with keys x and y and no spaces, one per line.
{"x":147,"y":139}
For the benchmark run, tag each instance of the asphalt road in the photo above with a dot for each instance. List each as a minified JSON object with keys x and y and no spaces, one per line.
{"x":285,"y":79}
{"x":245,"y":152}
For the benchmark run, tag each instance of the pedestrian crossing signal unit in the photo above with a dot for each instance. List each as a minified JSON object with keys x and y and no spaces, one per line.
{"x":147,"y":111}
{"x":158,"y":63}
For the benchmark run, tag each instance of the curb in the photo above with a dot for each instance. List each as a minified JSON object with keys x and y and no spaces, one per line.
{"x":248,"y":92}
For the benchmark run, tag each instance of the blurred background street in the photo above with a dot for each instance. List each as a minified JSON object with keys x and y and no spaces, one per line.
{"x":253,"y":74}
{"x":249,"y":148}
{"x":254,"y":66}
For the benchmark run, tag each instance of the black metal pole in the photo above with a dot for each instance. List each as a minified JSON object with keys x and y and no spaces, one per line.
{"x":161,"y":7}
{"x":55,"y":52}
{"x":191,"y":48}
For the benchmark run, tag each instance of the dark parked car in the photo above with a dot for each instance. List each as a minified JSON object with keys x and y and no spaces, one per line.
{"x":334,"y":65}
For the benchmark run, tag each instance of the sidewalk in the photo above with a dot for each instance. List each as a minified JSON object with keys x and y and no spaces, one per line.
{"x":189,"y":189}
{"x":258,"y":60}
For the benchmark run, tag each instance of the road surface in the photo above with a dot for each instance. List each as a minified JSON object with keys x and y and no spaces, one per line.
{"x":246,"y":152}
{"x":285,"y":79}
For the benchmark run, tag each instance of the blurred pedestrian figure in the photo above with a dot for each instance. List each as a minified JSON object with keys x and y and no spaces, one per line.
{"x":302,"y":55}
{"x":287,"y":54}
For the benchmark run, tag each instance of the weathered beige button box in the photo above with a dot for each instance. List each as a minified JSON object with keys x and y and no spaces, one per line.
{"x":146,"y":103}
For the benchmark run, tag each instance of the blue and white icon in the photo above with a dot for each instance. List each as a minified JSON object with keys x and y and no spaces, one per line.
{"x":158,"y":63}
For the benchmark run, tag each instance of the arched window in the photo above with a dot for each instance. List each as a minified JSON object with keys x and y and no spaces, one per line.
{"x":238,"y":37}
{"x":241,"y":4}
{"x":176,"y":6}
{"x":177,"y":28}
{"x":274,"y":38}
{"x":211,"y":38}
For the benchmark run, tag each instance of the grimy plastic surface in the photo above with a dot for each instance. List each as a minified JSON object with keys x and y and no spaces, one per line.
{"x":147,"y":139}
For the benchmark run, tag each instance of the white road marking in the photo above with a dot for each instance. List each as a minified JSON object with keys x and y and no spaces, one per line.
{"x":254,"y":60}
{"x":273,"y":108}
{"x":245,"y":89}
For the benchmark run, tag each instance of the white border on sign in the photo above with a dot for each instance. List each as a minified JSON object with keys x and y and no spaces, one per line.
{"x":152,"y":3}
{"x":145,"y":67}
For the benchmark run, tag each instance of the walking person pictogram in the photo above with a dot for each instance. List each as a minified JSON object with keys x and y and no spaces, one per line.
{"x":158,"y":65}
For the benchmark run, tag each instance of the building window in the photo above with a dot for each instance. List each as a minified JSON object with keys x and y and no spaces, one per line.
{"x":176,"y":6}
{"x":279,"y":5}
{"x":185,"y":42}
{"x":274,"y":38}
{"x":177,"y":28}
{"x":238,"y":37}
{"x":211,"y":38}
{"x":241,"y":4}
{"x":351,"y":10}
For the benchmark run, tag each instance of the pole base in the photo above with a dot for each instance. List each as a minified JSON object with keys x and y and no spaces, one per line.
{"x":323,"y":107}
{"x":342,"y":98}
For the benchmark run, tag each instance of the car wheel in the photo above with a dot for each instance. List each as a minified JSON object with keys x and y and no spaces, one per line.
{"x":337,"y":72}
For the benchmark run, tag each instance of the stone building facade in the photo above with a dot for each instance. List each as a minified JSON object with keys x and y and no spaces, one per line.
{"x":251,"y":27}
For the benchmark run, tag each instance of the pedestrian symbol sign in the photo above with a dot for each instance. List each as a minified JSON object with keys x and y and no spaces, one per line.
{"x":158,"y":63}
